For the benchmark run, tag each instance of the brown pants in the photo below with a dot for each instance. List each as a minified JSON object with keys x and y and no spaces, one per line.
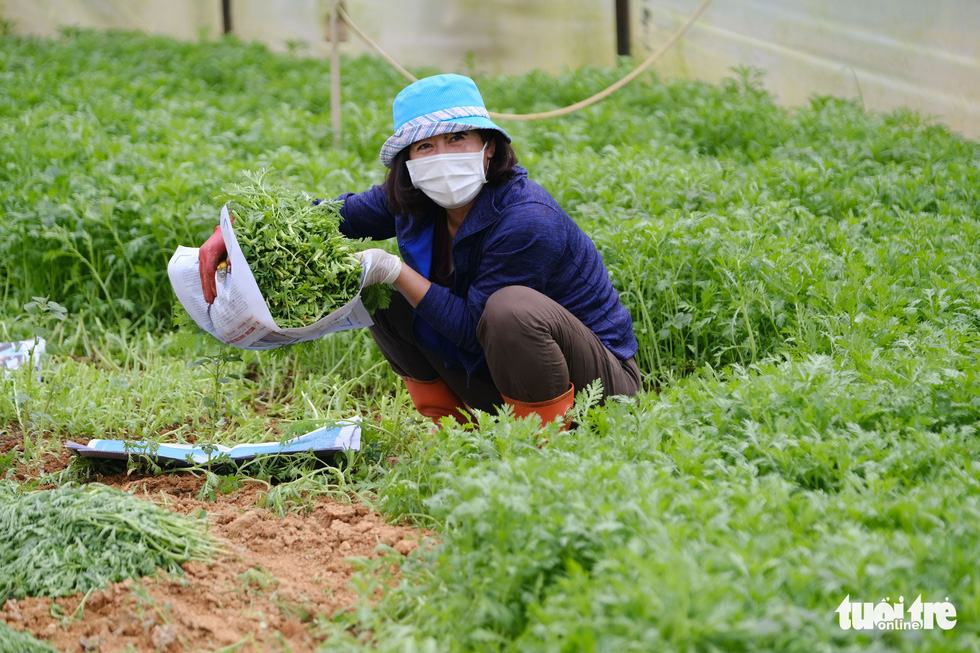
{"x":534,"y":349}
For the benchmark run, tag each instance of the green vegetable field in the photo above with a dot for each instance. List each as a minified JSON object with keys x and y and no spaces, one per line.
{"x":805,"y":288}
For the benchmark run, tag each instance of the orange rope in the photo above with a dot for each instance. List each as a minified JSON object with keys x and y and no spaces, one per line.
{"x":601,"y":95}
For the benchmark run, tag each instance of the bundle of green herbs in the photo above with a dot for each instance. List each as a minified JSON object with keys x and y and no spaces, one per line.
{"x":15,"y":641}
{"x":75,"y":539}
{"x":301,"y":262}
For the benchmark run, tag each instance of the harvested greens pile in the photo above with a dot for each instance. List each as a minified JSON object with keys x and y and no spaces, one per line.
{"x":300,"y":260}
{"x":15,"y":641}
{"x":74,"y":539}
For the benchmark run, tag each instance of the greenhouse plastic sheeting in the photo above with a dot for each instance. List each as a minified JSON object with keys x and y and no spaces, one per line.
{"x":880,"y":53}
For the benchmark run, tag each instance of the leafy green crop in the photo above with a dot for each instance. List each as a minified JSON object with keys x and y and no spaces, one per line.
{"x":71,"y":539}
{"x":803,"y":283}
{"x":293,"y":245}
{"x":15,"y":641}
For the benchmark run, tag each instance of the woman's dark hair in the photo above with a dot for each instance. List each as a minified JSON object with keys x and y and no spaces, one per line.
{"x":405,"y":199}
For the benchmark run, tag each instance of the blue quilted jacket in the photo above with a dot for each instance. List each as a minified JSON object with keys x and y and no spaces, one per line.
{"x":515,"y":234}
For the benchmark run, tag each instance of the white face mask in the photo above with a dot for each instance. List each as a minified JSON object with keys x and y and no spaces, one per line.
{"x":449,"y":180}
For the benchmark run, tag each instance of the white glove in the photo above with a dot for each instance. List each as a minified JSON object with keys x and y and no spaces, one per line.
{"x":381,"y":266}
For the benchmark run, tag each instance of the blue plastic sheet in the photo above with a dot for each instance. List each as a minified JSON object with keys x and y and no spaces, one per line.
{"x":323,"y":440}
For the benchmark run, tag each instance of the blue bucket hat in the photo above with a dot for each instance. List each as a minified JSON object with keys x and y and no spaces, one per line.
{"x":441,"y":104}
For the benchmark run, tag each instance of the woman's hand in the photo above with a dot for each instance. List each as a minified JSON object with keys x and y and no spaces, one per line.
{"x":212,"y":253}
{"x":382,"y":266}
{"x":388,"y":268}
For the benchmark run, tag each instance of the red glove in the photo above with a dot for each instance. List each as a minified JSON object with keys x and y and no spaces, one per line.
{"x":212,"y":253}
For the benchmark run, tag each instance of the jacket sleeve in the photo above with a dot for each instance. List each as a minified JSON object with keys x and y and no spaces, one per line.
{"x":366,"y":215}
{"x":523,"y":251}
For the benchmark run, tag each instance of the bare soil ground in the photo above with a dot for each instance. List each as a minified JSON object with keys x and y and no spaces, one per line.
{"x":261,"y":594}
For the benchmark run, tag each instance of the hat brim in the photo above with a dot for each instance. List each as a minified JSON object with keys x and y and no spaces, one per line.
{"x":412,"y":133}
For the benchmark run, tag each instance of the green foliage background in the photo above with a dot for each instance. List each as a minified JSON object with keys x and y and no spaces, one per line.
{"x":803,"y":284}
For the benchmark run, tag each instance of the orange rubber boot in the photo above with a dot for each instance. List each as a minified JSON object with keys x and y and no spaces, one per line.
{"x":549,"y":410}
{"x":435,"y":399}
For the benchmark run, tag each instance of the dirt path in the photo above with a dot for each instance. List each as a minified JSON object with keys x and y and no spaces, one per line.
{"x":276,"y":575}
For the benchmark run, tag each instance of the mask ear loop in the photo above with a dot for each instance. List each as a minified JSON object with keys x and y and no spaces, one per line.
{"x":486,"y":161}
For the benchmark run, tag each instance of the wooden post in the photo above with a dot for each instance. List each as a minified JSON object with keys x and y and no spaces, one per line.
{"x":335,"y":74}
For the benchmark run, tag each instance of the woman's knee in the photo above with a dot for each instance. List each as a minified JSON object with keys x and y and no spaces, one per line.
{"x":507,"y":309}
